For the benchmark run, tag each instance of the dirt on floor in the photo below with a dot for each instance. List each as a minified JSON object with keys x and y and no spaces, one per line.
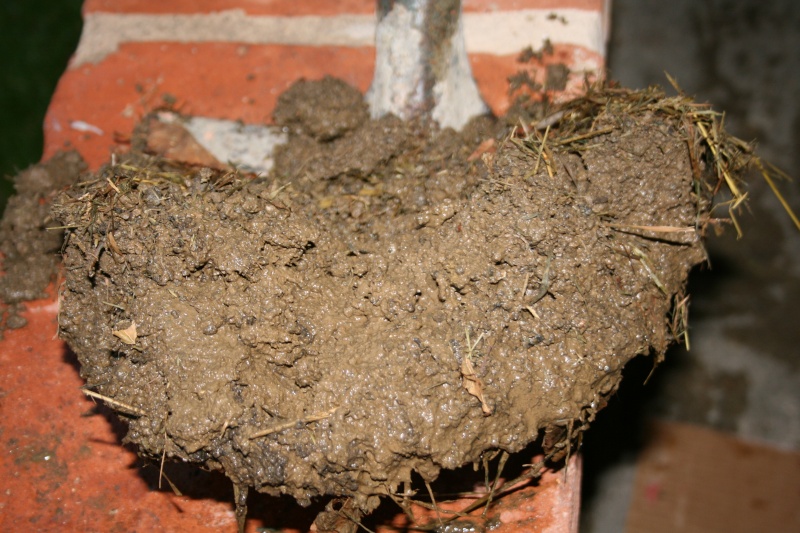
{"x":392,"y":298}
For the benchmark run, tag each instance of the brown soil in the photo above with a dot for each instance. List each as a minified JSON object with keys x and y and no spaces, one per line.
{"x":30,"y":251}
{"x":389,"y":300}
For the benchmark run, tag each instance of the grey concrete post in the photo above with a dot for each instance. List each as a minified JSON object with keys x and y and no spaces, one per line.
{"x":421,"y":66}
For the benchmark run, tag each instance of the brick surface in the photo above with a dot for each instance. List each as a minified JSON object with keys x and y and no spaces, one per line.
{"x":229,"y":59}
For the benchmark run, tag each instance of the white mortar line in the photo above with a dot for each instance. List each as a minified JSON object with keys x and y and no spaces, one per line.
{"x":499,"y":33}
{"x":508,"y":32}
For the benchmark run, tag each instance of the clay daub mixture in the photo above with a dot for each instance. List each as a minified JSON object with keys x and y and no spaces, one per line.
{"x":390,"y":298}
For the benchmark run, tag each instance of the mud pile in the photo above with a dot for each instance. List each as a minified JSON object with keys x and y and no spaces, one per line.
{"x":390,"y":299}
{"x":29,"y":245}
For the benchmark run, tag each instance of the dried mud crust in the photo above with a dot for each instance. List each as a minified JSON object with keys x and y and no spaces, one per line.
{"x":388,"y":300}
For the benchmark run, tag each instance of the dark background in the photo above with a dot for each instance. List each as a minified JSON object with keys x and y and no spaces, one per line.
{"x":36,"y":41}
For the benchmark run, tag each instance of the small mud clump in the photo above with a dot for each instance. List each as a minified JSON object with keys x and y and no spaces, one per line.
{"x":390,"y":299}
{"x":29,"y":247}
